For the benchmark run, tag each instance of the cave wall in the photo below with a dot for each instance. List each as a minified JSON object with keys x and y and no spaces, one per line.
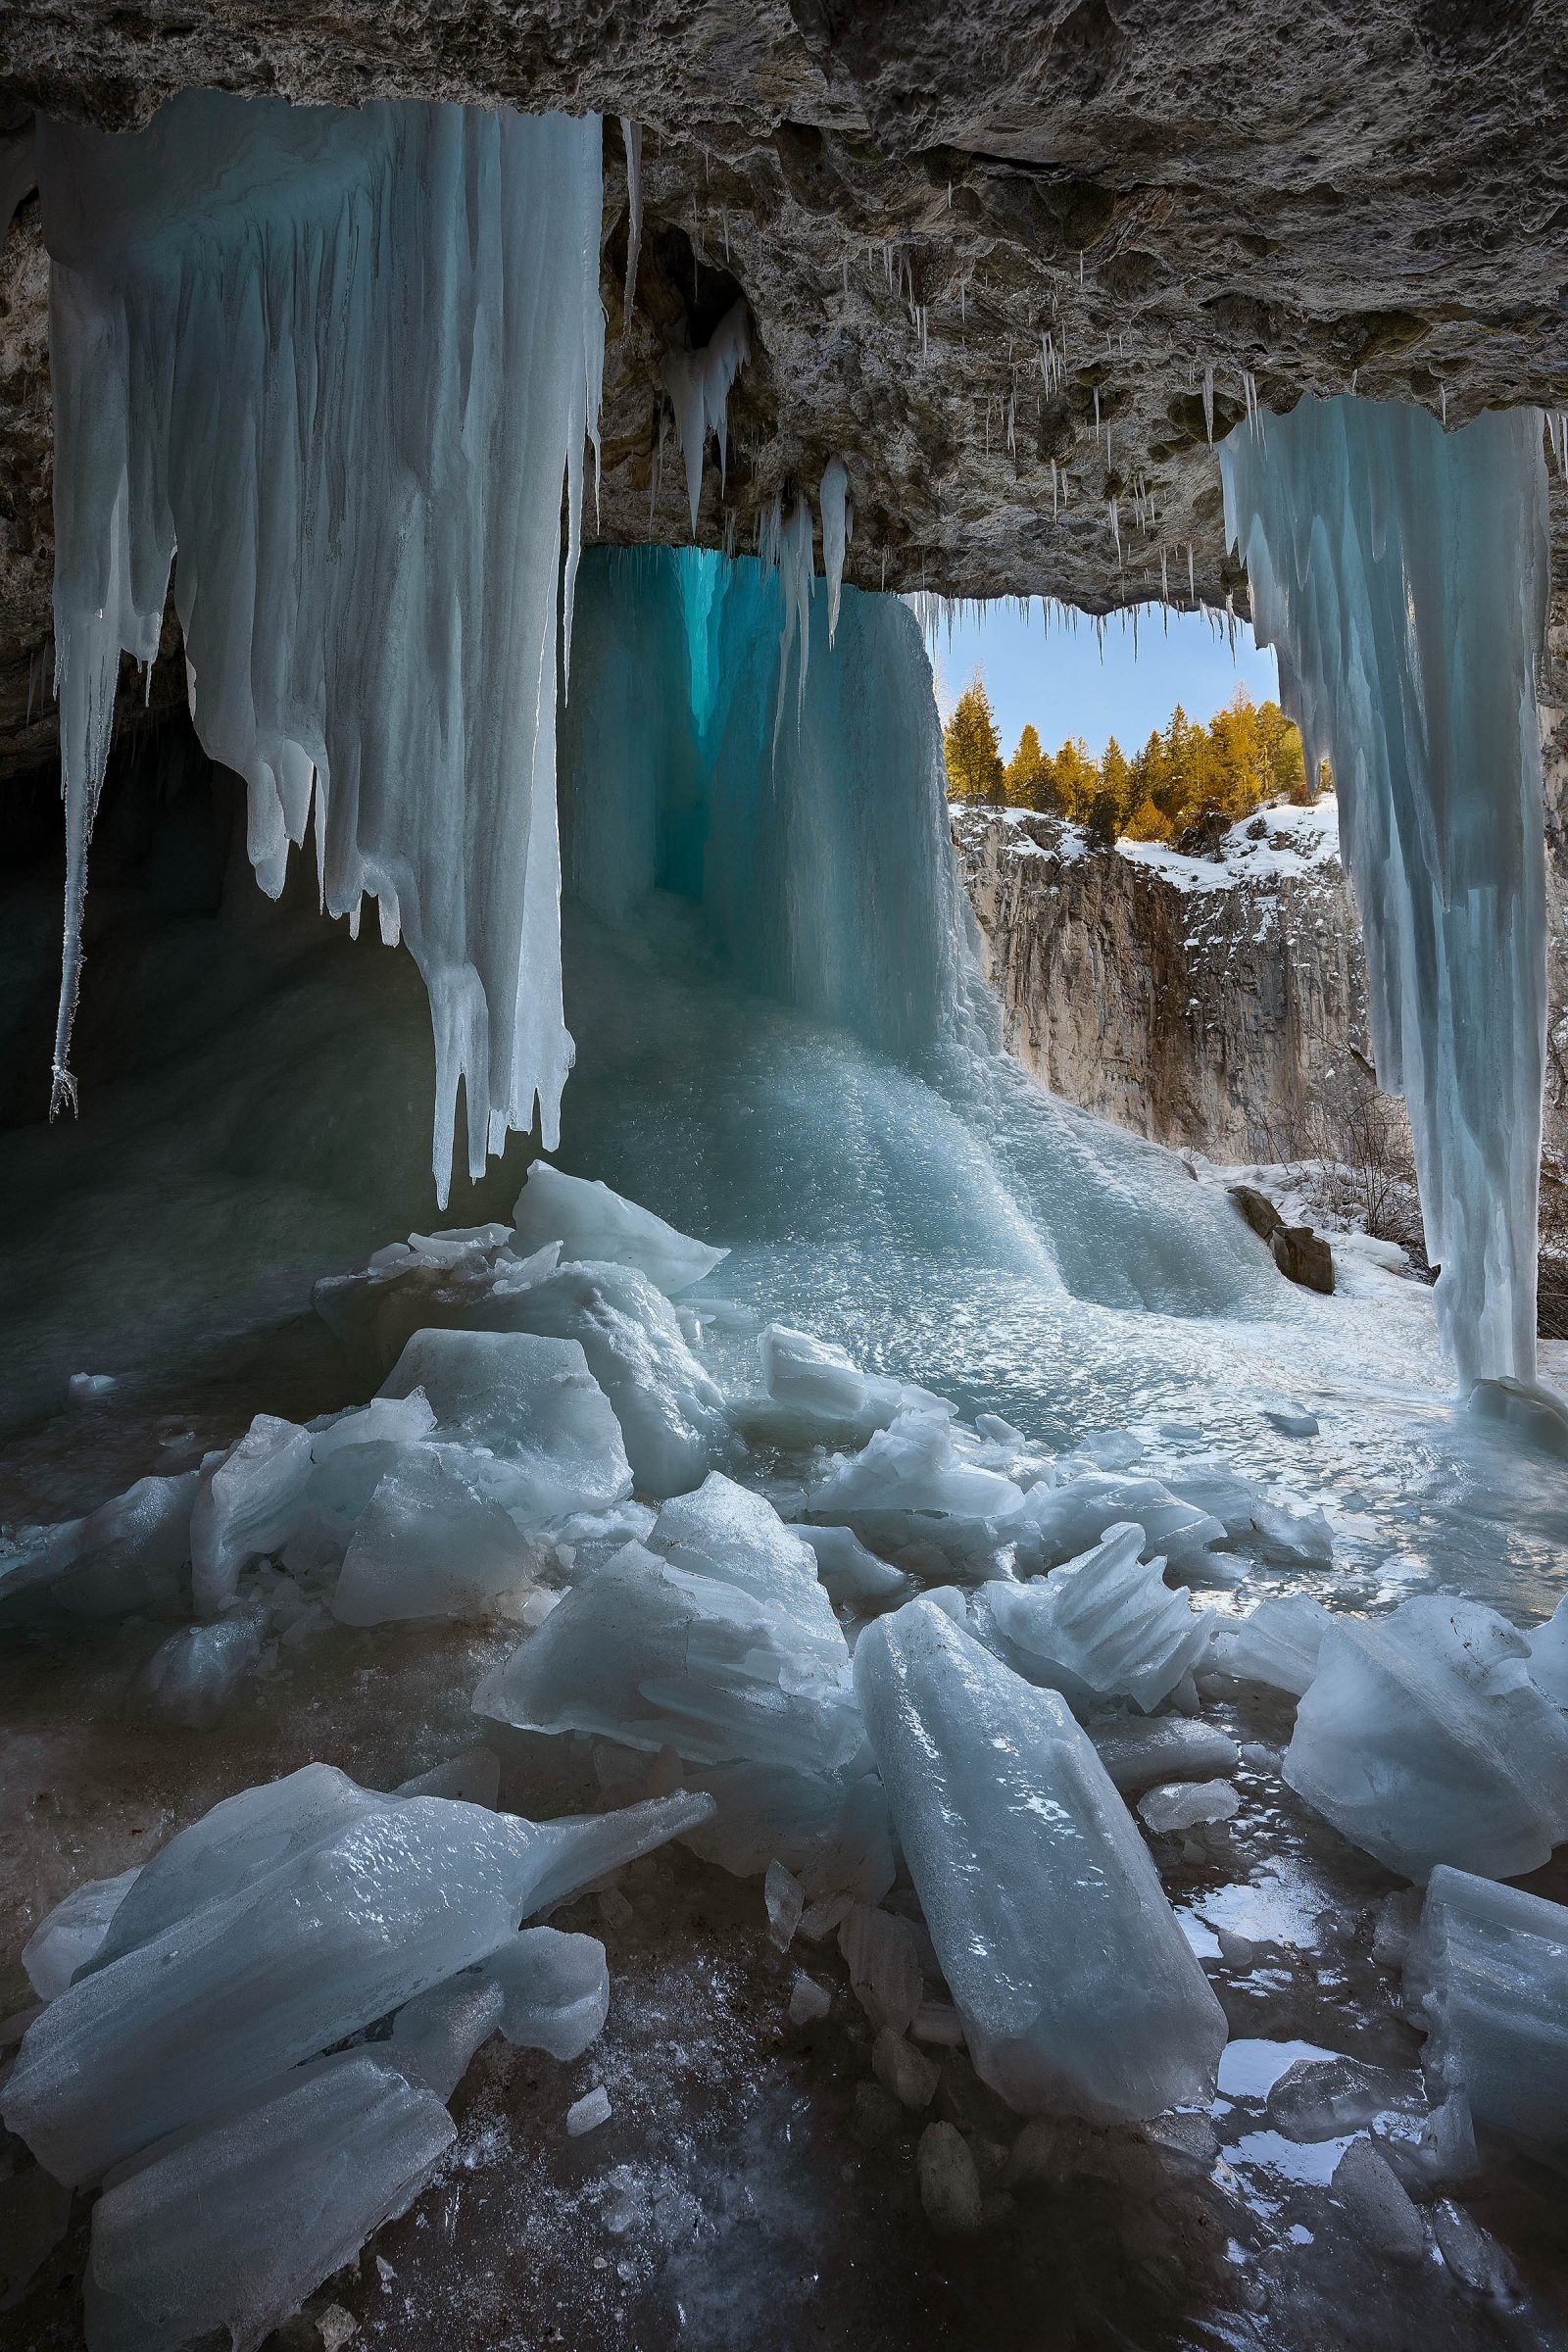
{"x":910,"y":197}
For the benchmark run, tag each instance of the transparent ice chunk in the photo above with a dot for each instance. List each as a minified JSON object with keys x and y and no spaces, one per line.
{"x":1076,"y":1987}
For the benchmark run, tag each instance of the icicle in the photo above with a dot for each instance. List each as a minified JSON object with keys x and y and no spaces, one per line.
{"x":698,"y":386}
{"x":1164,"y":580}
{"x":1191,"y":582}
{"x":370,"y":578}
{"x":1209,"y":402}
{"x":1402,"y":574}
{"x":632,"y":139}
{"x":834,"y":498}
{"x":1096,"y":412}
{"x":797,"y":577}
{"x":1116,"y":529}
{"x":1443,"y":403}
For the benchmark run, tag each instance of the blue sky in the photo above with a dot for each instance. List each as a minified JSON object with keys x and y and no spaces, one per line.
{"x":1060,"y":682}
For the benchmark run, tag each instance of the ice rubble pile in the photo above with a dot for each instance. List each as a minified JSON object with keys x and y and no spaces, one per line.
{"x":1487,"y":1976}
{"x":343,"y":359}
{"x":525,"y":1397}
{"x":179,"y":2059}
{"x":1401,"y":573}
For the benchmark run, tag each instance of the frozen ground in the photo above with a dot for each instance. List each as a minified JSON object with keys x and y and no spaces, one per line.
{"x":953,"y":1228}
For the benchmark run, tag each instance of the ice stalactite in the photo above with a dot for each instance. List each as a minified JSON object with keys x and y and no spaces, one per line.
{"x":1401,"y":573}
{"x":699,"y":385}
{"x":836,"y":523}
{"x":341,"y":361}
{"x":632,"y":138}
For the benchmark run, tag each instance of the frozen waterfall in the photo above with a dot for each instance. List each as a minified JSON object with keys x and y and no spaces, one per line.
{"x":341,"y":363}
{"x":1401,"y":573}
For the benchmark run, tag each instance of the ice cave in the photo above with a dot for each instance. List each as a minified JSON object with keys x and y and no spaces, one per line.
{"x":783,"y":1511}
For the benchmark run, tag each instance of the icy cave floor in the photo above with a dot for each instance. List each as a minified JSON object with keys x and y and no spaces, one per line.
{"x":754,"y":2182}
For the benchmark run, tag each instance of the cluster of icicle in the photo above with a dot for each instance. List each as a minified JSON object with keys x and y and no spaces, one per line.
{"x":341,"y":361}
{"x":1401,"y":573}
{"x":785,"y":546}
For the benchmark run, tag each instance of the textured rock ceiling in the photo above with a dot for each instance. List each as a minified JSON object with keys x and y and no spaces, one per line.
{"x":1317,"y":194}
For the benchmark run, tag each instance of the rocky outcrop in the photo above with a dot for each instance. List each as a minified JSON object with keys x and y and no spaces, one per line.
{"x":912,"y":196}
{"x":1201,"y":1002}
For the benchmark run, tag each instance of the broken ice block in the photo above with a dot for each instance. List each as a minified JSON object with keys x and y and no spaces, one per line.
{"x":231,"y":2226}
{"x":914,"y":1465}
{"x":1077,"y":1988}
{"x":589,"y":2111}
{"x":127,"y":1557}
{"x":434,"y":2037}
{"x":727,"y":1531}
{"x":68,"y":1938}
{"x":1138,"y":1753}
{"x":1548,"y":1655}
{"x":659,"y":1655}
{"x":396,"y":1894}
{"x":245,"y":1505}
{"x":1321,"y":2098}
{"x":190,"y":1679}
{"x":533,"y":1405}
{"x":1278,"y":1644}
{"x":671,"y":1414}
{"x":1056,"y":1522}
{"x":556,"y":1990}
{"x":1423,"y":1739}
{"x":429,"y":1544}
{"x":852,"y":1575}
{"x":1106,"y":1623}
{"x":1187,"y":1805}
{"x":1487,"y":1976}
{"x":590,"y":1221}
{"x":821,"y":1383}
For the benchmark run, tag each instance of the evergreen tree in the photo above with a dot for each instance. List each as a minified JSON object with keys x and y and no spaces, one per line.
{"x":971,"y":749}
{"x":1023,"y":769}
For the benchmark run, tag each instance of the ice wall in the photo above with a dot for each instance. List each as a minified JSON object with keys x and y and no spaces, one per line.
{"x":1401,"y":573}
{"x":341,"y":362}
{"x":812,"y":826}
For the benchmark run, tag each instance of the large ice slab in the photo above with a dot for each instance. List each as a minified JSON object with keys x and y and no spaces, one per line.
{"x":1076,"y":1984}
{"x":321,"y":1936}
{"x":532,"y":1403}
{"x":232,"y":2226}
{"x":1487,"y":1976}
{"x":819,"y":1384}
{"x":1423,"y":1739}
{"x":245,"y":1505}
{"x":1108,"y":1624}
{"x":429,"y":1543}
{"x":672,"y":1412}
{"x":591,"y":1222}
{"x":1277,"y":1643}
{"x":656,"y":1655}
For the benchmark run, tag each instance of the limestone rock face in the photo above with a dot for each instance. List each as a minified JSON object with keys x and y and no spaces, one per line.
{"x":1169,"y":994}
{"x":930,"y":209}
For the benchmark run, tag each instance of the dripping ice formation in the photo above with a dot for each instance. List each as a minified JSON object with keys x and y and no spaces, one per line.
{"x":699,"y":385}
{"x":1401,"y":573}
{"x":332,"y":367}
